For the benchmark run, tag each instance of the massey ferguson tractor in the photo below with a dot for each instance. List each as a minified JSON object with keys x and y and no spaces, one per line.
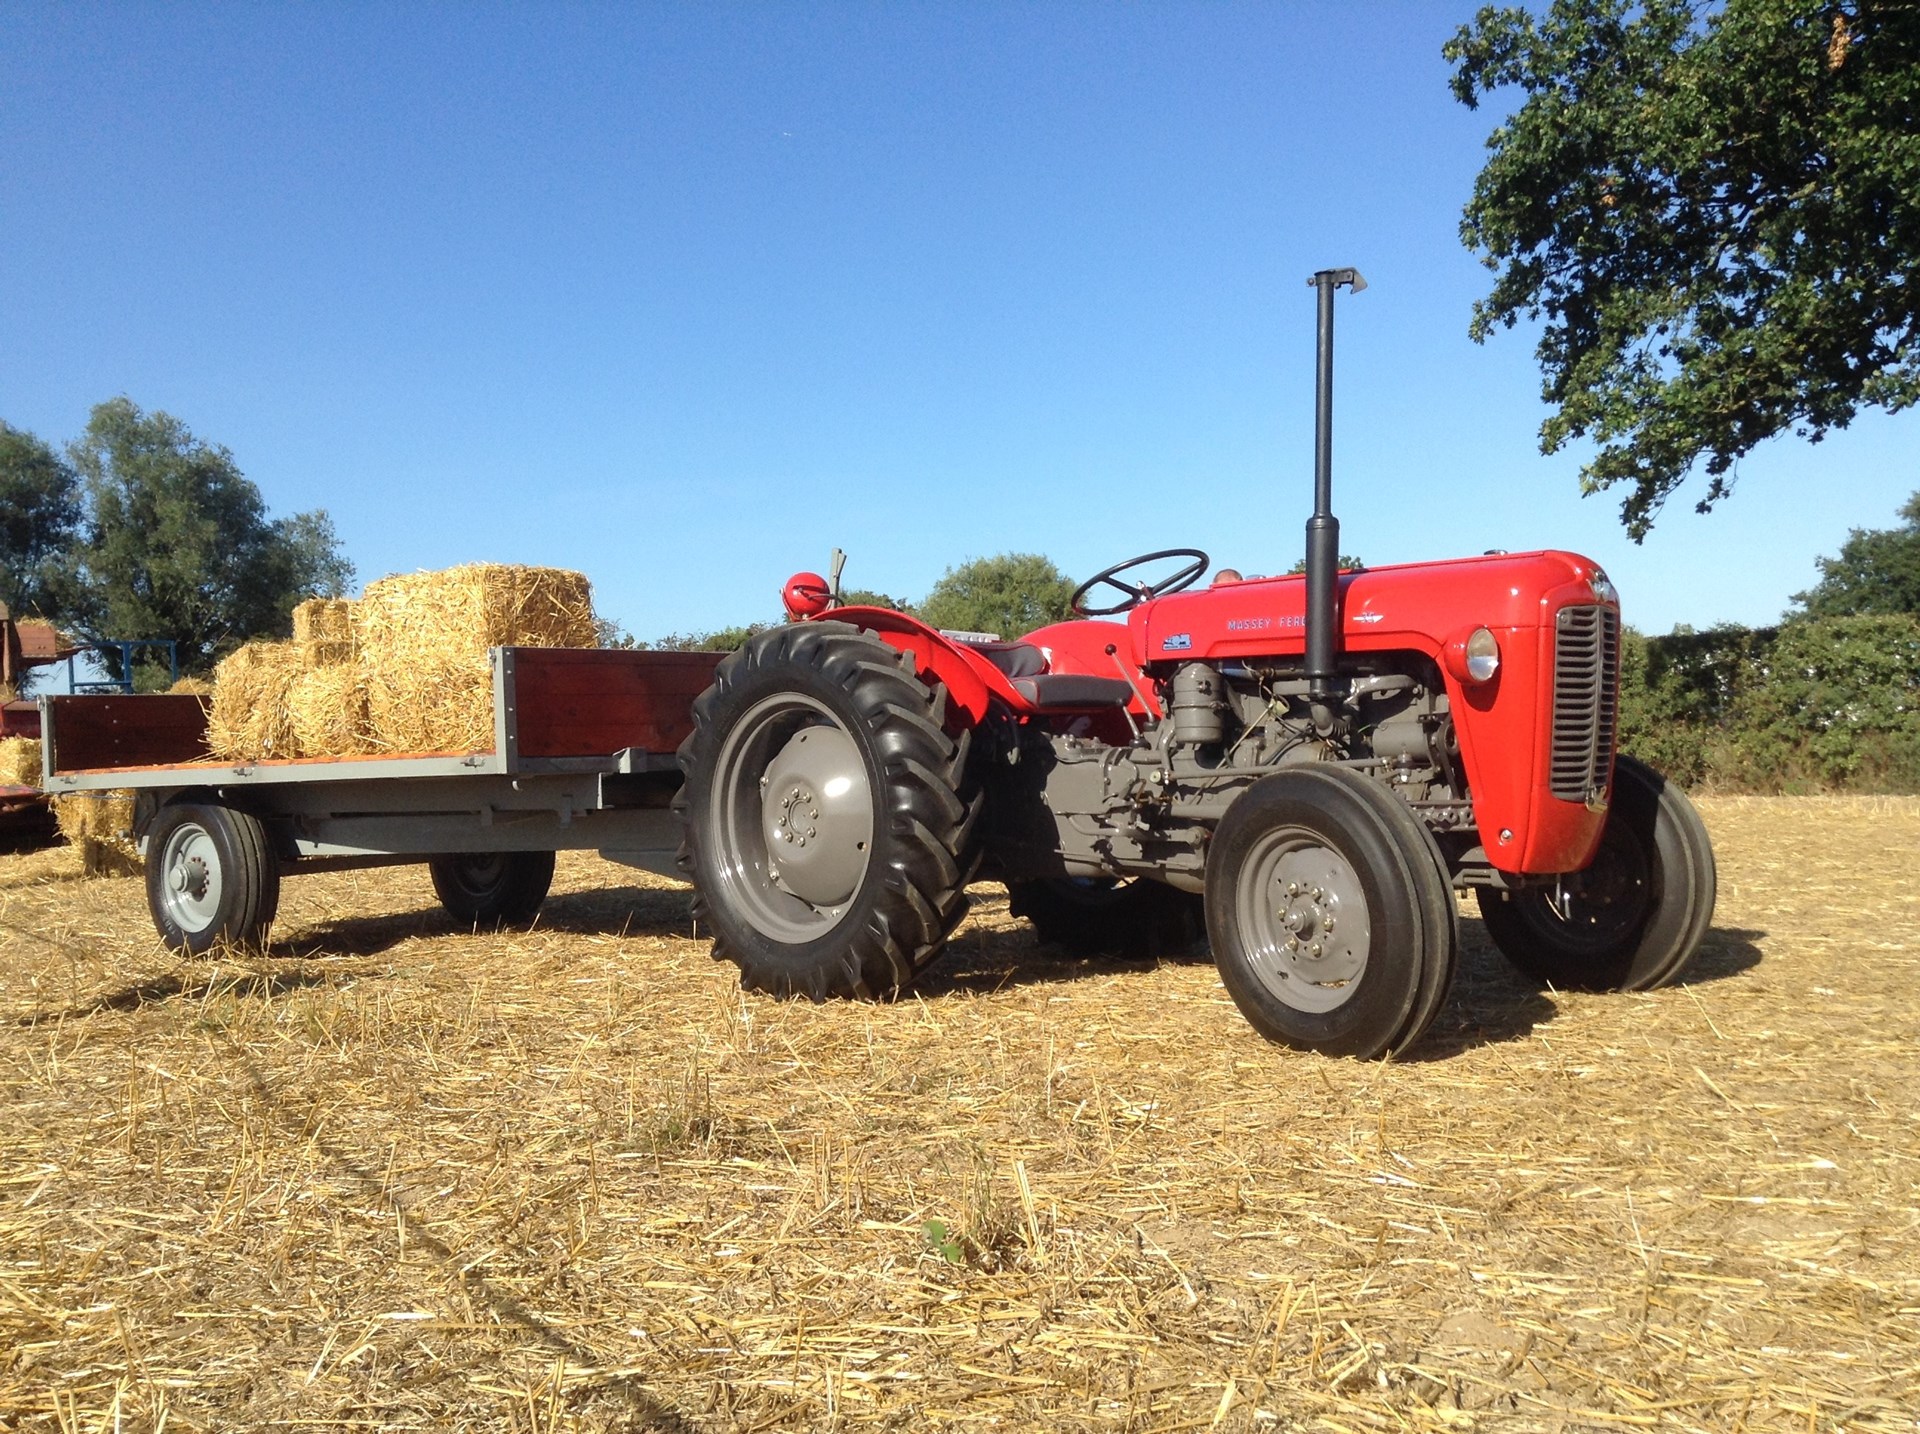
{"x":1317,"y":763}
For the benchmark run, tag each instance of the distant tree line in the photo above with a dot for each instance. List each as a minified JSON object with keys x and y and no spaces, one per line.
{"x":140,"y":530}
{"x":1829,"y":699}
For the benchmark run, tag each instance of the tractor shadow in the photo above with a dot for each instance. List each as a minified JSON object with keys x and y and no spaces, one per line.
{"x":1491,"y":1002}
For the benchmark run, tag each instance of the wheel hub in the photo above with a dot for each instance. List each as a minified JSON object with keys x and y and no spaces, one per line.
{"x":190,"y":877}
{"x":1306,"y":914}
{"x":817,"y":815}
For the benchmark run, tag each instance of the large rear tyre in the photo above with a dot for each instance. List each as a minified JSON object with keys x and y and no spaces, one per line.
{"x":212,"y":878}
{"x":1634,"y":918}
{"x":828,"y":816}
{"x":488,"y":888}
{"x":1330,"y":919}
{"x":1095,"y":917}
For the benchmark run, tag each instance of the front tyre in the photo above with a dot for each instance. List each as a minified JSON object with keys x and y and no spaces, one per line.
{"x":489,"y":888}
{"x":1634,"y":918}
{"x":212,"y":878}
{"x":828,"y":826}
{"x":1329,"y":917}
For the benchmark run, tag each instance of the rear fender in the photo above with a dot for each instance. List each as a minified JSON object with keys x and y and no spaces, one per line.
{"x":971,"y":681}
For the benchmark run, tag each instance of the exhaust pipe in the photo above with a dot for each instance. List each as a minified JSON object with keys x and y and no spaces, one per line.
{"x":1323,"y":529}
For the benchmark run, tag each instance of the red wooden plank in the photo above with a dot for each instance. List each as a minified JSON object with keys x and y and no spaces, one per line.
{"x":572,"y":703}
{"x":96,"y":733}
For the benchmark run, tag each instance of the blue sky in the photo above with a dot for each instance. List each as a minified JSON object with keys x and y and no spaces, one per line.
{"x":685,"y":295}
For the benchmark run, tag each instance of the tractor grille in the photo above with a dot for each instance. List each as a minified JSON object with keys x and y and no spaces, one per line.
{"x":1586,"y":682}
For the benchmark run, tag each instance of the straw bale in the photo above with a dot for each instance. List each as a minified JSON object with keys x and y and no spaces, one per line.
{"x":327,"y":707}
{"x":19,"y":761}
{"x":100,"y":826}
{"x":249,"y":719}
{"x":423,"y":640}
{"x":191,"y":687}
{"x":323,"y":620}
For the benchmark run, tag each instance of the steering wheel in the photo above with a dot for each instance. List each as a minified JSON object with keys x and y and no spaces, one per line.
{"x":1137,"y":593}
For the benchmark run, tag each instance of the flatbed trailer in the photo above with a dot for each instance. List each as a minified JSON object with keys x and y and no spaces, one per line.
{"x":582,"y":759}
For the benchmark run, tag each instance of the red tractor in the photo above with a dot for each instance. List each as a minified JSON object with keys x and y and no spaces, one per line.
{"x":1317,"y":763}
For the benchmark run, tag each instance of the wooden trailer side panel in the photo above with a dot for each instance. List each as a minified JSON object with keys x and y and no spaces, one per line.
{"x":152,"y":731}
{"x":589,"y":702}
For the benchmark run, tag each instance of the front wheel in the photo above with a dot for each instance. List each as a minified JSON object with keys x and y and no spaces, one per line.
{"x":1634,"y":918}
{"x":212,"y":878}
{"x":1330,"y":918}
{"x":487,"y":888}
{"x":828,"y":815}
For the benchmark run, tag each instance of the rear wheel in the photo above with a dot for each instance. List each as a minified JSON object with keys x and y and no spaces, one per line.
{"x":1095,"y":916}
{"x":1634,"y":918}
{"x":488,"y":887}
{"x":827,"y":815}
{"x":1328,"y":916}
{"x":212,"y":878}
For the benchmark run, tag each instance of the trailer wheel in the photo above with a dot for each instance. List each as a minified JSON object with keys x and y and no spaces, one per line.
{"x":484,"y":888}
{"x":1634,"y":918}
{"x":1329,"y":918}
{"x":212,"y":878}
{"x":828,"y":829}
{"x":1095,"y":917}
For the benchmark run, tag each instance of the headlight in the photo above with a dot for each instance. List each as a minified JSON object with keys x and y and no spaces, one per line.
{"x":1483,"y":656}
{"x":1603,"y":590}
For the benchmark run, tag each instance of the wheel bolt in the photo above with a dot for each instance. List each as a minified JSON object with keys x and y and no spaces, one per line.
{"x":1314,"y":950}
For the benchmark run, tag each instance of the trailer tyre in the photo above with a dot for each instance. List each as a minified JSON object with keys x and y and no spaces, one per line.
{"x":491,"y":887}
{"x":1329,"y":918}
{"x":212,"y":878}
{"x":827,"y":814}
{"x":1094,"y":917}
{"x":1634,"y":918}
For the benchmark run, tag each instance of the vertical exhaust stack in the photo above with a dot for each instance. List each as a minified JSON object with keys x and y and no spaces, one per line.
{"x":1323,"y":529}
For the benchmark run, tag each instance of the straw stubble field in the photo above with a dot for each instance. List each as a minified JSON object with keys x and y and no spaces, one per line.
{"x":402,"y":1176}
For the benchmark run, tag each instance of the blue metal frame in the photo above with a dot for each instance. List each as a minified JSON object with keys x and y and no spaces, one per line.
{"x":125,"y":648}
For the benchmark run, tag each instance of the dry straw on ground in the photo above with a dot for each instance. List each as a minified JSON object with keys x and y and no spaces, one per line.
{"x":19,"y":761}
{"x":404,"y":1175}
{"x":423,"y":640}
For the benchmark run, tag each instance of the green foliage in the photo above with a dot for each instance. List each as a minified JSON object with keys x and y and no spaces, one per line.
{"x":726,"y":639}
{"x":1348,"y":563}
{"x":941,"y":1240}
{"x":1819,"y":703}
{"x":1011,"y":594}
{"x":177,"y":542}
{"x":1878,"y":571}
{"x":866,"y":597}
{"x":39,"y":520}
{"x":1716,"y":209}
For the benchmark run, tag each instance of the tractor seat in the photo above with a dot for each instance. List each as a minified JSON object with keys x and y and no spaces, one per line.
{"x":1015,"y":659}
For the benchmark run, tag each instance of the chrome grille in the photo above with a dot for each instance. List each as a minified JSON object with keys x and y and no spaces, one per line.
{"x":1586,"y":682}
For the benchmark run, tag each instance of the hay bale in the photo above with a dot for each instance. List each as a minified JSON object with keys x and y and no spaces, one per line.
{"x":19,"y":761}
{"x":191,"y":687}
{"x":323,"y":620}
{"x":423,"y":640}
{"x":323,"y":631}
{"x":100,"y":826}
{"x":327,"y":706}
{"x":249,"y":719}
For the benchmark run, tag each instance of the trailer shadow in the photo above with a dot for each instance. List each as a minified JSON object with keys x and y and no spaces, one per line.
{"x":192,"y":984}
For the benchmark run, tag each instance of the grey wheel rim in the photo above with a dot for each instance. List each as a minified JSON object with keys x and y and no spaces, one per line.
{"x":192,"y":881}
{"x":480,"y":873}
{"x":792,"y":818}
{"x":1303,"y":919}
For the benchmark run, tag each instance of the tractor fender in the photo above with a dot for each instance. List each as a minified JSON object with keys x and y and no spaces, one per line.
{"x":972,"y":682}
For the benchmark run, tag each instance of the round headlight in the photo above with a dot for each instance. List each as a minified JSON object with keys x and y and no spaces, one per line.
{"x":1483,"y":655}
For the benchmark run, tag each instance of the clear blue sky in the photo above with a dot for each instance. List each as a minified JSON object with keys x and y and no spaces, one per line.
{"x":685,"y":295}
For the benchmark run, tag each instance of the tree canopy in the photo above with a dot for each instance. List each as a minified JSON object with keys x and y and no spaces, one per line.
{"x":39,"y":520}
{"x":1717,"y":212}
{"x":177,"y":542}
{"x":1877,"y":571}
{"x":1010,"y":594}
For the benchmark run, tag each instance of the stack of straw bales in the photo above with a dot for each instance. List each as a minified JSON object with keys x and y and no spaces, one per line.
{"x":100,"y":824}
{"x":19,"y":761}
{"x":404,"y":669}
